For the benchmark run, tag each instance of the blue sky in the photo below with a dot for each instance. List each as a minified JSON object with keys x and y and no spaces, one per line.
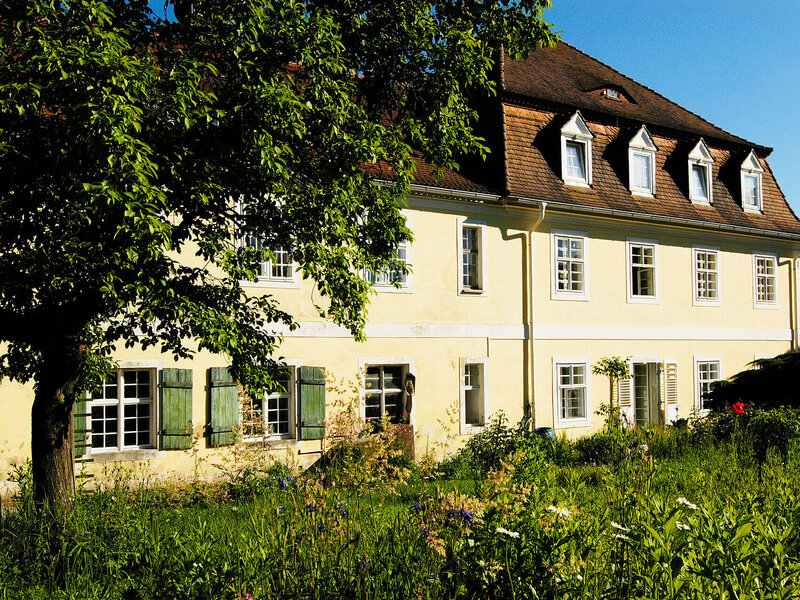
{"x":735,"y":63}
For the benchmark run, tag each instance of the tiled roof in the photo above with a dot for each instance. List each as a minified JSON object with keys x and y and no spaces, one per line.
{"x":534,"y":167}
{"x":566,"y":76}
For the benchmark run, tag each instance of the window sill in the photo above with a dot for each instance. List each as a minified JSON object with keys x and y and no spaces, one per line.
{"x":570,"y":424}
{"x":771,"y":306}
{"x":643,"y":300}
{"x":711,"y":303}
{"x":700,"y":202}
{"x":270,"y":283}
{"x":390,"y":289}
{"x":643,"y":194}
{"x":753,"y":210}
{"x":471,"y":429}
{"x":126,"y":455}
{"x":471,"y":292}
{"x":576,"y":183}
{"x":575,"y":297}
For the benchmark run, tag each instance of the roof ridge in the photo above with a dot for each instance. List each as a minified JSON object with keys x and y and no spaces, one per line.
{"x":648,"y":88}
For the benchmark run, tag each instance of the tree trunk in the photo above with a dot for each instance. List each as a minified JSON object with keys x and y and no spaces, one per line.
{"x":51,"y":425}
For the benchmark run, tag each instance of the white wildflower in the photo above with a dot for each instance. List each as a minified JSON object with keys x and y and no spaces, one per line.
{"x":686,"y":503}
{"x":620,"y":536}
{"x":559,"y":512}
{"x":644,"y":447}
{"x":511,"y":534}
{"x":620,"y":527}
{"x":682,"y":526}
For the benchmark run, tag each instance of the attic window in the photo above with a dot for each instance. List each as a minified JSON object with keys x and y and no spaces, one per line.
{"x":576,"y":152}
{"x":700,"y":171}
{"x":613,"y":94}
{"x":642,"y":163}
{"x":752,"y":200}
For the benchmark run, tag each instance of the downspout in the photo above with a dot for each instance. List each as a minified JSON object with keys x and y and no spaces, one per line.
{"x":531,"y":338}
{"x":793,"y":298}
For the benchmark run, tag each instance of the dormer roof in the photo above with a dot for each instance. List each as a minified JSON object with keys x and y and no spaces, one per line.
{"x":700,"y":153}
{"x":642,"y":140}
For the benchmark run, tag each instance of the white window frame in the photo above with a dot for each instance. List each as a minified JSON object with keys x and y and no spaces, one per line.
{"x":266,"y":279}
{"x":480,"y":228}
{"x":751,"y":167}
{"x":698,"y":301}
{"x":773,"y":257}
{"x":407,"y":363}
{"x":294,"y":368}
{"x":381,"y":282}
{"x":642,"y":145}
{"x":586,"y":420}
{"x":701,"y":157}
{"x":483,"y":362}
{"x":576,"y":131}
{"x":638,"y":299}
{"x":698,"y":383}
{"x":121,"y":451}
{"x":556,"y":294}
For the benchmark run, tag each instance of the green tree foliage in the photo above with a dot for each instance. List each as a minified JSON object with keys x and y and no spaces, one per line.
{"x":615,"y":368}
{"x":773,"y":383}
{"x":127,"y":142}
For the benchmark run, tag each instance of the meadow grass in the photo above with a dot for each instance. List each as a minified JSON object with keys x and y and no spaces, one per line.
{"x":708,"y":523}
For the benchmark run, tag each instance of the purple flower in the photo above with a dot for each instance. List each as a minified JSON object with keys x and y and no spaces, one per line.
{"x":288,"y":478}
{"x":357,"y":536}
{"x":280,"y":509}
{"x":425,"y":532}
{"x":415,"y":557}
{"x":343,"y":512}
{"x":311,"y":508}
{"x":321,"y":527}
{"x":416,"y":507}
{"x":466,"y":516}
{"x":282,"y":482}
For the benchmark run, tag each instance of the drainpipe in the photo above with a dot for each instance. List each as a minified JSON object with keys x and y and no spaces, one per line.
{"x":531,"y":296}
{"x":793,"y":299}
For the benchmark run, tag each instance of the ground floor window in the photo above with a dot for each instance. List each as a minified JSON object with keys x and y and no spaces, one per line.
{"x":571,"y":392}
{"x":473,"y":393}
{"x":708,"y":371}
{"x":272,"y":415}
{"x":123,"y":415}
{"x":384,"y":392}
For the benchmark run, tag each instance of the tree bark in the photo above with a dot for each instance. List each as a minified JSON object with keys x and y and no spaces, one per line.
{"x":52,"y":454}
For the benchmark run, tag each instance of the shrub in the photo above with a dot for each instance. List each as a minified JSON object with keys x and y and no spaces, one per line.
{"x":597,"y":448}
{"x":773,"y":429}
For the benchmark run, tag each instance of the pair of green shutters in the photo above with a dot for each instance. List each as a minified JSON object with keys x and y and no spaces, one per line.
{"x":223,"y":398}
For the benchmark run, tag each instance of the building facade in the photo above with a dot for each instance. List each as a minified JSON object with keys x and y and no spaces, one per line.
{"x":608,"y":221}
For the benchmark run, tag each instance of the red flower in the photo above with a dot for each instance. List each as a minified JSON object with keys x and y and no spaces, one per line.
{"x":738,"y":408}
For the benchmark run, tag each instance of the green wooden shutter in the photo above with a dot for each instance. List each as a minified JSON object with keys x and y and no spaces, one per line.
{"x":223,"y":397}
{"x":312,"y":403}
{"x":176,"y":409}
{"x":82,"y":426}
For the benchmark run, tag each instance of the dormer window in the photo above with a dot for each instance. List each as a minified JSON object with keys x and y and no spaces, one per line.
{"x":612,"y":93}
{"x":642,"y":163}
{"x":576,"y":152}
{"x":752,"y":198}
{"x":700,"y":161}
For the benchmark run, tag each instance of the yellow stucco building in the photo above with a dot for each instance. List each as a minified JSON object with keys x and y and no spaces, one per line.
{"x":607,"y":221}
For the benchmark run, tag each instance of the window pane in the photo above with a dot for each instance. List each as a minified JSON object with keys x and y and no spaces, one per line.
{"x":576,"y":161}
{"x":751,"y":190}
{"x":641,"y":171}
{"x":699,"y":183}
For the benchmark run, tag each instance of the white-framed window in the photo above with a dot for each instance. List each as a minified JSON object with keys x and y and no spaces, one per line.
{"x":571,"y":404}
{"x":700,"y":174}
{"x":393,"y":277}
{"x":278,"y":270}
{"x":642,"y":258}
{"x":765,"y":280}
{"x":272,"y":416}
{"x":642,"y":163}
{"x":576,"y":151}
{"x":752,"y":197}
{"x":472,"y":257}
{"x":706,"y":276}
{"x":123,"y":411}
{"x":569,"y":265}
{"x":384,"y":392}
{"x":474,"y":397}
{"x":707,"y":370}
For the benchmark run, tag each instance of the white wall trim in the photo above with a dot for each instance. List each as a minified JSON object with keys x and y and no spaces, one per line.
{"x":409,"y":330}
{"x":603,"y":332}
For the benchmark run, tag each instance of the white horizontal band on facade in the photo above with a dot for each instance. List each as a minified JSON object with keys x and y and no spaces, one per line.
{"x":411,"y":330}
{"x":542,"y":332}
{"x":603,"y":332}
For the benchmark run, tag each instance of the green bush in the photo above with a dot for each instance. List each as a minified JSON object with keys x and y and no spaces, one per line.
{"x":773,"y":429}
{"x":597,"y":448}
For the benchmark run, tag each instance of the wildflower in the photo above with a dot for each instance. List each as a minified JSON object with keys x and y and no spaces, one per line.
{"x":289,"y":478}
{"x":738,"y":407}
{"x":634,"y":443}
{"x":365,"y":564}
{"x":282,"y":482}
{"x":321,"y":527}
{"x":311,"y":508}
{"x":343,"y":512}
{"x":466,"y":516}
{"x":280,"y":509}
{"x":620,"y":527}
{"x":620,"y":536}
{"x":504,"y":531}
{"x":234,"y":509}
{"x":559,"y":512}
{"x":645,"y":448}
{"x":425,"y":532}
{"x":682,"y":526}
{"x":356,"y":536}
{"x":415,"y":557}
{"x":683,"y":501}
{"x":416,"y":507}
